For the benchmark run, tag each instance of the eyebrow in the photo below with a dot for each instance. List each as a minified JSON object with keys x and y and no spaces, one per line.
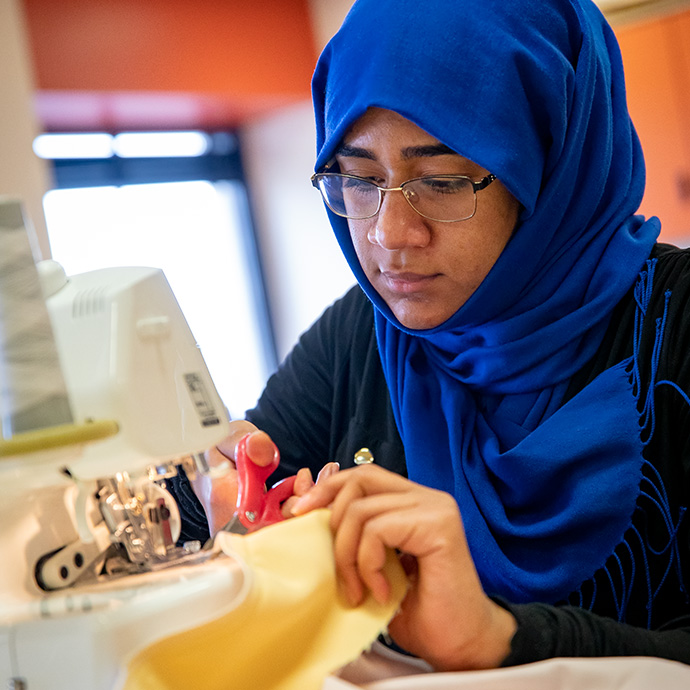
{"x":427,"y":151}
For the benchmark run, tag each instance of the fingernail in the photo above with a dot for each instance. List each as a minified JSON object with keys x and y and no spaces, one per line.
{"x":331,"y":469}
{"x":304,"y":474}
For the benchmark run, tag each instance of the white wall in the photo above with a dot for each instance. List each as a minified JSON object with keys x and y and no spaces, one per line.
{"x":305,"y":270}
{"x":22,"y":174}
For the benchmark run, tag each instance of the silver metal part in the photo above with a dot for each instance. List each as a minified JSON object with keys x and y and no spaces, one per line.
{"x":130,"y":530}
{"x":137,"y":518}
{"x":165,"y":470}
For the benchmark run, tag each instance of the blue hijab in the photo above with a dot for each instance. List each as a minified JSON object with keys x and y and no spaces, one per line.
{"x":534,"y":93}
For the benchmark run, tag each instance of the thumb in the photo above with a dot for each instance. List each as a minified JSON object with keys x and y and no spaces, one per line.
{"x":260,"y":448}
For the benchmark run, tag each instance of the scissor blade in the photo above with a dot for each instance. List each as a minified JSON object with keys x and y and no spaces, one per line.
{"x":234,"y":525}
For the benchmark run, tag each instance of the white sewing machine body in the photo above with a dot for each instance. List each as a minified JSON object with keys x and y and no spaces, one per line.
{"x":82,"y":638}
{"x":90,"y":570}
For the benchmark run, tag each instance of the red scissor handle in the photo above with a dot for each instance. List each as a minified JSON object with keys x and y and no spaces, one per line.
{"x":257,"y":507}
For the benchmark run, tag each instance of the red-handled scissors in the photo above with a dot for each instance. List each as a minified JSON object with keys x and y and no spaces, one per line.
{"x":257,"y":507}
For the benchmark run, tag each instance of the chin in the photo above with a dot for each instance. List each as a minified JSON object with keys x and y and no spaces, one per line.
{"x":420,"y":316}
{"x":419,"y":322}
{"x":422,"y":312}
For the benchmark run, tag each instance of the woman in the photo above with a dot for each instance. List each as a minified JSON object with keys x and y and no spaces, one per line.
{"x":526,"y":357}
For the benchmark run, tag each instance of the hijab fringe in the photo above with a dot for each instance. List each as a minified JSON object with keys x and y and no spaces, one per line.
{"x":634,"y":553}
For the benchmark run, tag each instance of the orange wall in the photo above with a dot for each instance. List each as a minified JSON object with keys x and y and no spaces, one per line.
{"x":656,"y":56}
{"x":158,"y":63}
{"x":250,"y":53}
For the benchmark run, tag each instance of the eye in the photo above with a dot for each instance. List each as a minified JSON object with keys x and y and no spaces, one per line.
{"x":444,"y":185}
{"x":360,"y":185}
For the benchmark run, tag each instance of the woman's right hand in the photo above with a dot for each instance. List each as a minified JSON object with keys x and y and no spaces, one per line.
{"x":217,"y":491}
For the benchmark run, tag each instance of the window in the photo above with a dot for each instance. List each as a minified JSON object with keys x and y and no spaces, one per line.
{"x":189,"y":216}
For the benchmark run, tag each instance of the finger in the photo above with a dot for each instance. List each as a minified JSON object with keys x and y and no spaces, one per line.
{"x":420,"y":522}
{"x":360,"y":558}
{"x":287,"y":506}
{"x":218,"y":498}
{"x":303,"y":482}
{"x":397,"y":528}
{"x":345,"y":544}
{"x":371,"y":555}
{"x":351,"y":510}
{"x":328,"y":470}
{"x":351,"y":513}
{"x":217,"y":463}
{"x":320,"y":496}
{"x":370,"y":480}
{"x":362,"y":549}
{"x":238,"y":429}
{"x":371,"y":489}
{"x":260,"y":449}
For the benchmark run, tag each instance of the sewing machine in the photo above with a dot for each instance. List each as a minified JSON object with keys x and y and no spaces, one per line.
{"x":91,"y":571}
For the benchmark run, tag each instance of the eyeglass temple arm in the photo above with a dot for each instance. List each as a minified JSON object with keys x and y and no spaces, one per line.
{"x":484,"y":182}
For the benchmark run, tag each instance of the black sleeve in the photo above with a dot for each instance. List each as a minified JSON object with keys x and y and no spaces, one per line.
{"x":545,"y":632}
{"x":297,"y":406}
{"x":194,"y":525}
{"x":329,"y":397}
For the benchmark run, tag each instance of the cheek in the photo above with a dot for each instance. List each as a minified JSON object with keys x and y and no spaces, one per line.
{"x":508,"y":217}
{"x":360,"y":242}
{"x":496,"y":227}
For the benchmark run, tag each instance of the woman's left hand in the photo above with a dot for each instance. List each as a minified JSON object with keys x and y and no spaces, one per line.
{"x":445,"y":618}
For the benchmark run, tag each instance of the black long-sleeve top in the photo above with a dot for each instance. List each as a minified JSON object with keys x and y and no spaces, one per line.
{"x":329,"y":399}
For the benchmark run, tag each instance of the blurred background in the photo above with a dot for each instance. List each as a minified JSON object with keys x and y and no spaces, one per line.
{"x":179,"y":134}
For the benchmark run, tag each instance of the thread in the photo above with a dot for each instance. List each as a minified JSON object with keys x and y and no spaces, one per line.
{"x":33,"y":394}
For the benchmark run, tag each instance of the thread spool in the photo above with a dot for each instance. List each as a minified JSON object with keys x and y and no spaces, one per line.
{"x":33,"y":394}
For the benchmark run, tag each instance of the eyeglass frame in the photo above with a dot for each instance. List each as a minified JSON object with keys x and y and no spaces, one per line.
{"x":476,"y":187}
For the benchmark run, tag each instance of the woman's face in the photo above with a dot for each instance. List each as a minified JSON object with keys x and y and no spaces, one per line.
{"x":423,"y":269}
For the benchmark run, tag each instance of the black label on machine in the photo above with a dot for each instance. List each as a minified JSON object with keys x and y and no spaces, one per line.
{"x":201,"y":399}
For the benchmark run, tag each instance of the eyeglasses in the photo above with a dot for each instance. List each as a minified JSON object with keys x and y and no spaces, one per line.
{"x":443,"y":198}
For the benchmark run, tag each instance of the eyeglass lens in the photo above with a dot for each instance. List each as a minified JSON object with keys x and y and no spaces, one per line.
{"x":436,"y":198}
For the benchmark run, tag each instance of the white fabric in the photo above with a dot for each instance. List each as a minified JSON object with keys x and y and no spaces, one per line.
{"x":382,"y":669}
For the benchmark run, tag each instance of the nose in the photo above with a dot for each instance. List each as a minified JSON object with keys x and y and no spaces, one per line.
{"x":397,"y":225}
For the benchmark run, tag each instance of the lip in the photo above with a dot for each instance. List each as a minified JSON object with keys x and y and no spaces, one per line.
{"x":407,"y":282}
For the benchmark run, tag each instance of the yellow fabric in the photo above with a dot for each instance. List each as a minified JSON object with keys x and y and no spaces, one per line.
{"x":290,"y":631}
